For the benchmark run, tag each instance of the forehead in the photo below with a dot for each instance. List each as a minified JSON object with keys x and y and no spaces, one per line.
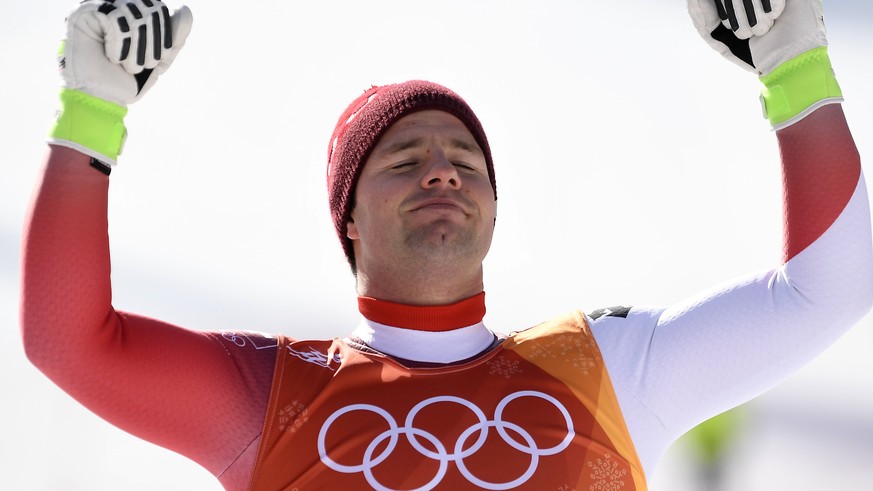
{"x":429,"y":122}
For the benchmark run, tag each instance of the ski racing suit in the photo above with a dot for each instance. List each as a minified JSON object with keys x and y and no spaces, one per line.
{"x":429,"y":397}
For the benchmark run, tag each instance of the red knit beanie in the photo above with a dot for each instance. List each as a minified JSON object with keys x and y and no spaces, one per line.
{"x":365,"y":121}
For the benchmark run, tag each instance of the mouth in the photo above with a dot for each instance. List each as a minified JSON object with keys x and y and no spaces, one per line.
{"x":440,"y":204}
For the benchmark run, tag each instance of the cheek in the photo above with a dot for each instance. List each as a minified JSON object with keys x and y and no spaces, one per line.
{"x":370,"y":215}
{"x":483,"y":195}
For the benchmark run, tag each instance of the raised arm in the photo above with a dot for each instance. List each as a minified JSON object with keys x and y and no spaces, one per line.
{"x":200,"y":394}
{"x":677,"y":367}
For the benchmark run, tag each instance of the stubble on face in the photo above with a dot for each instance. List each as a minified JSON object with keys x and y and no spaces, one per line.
{"x":454,"y":231}
{"x":442,"y":239}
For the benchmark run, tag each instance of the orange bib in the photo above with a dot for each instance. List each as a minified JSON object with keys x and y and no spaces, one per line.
{"x":538,"y":412}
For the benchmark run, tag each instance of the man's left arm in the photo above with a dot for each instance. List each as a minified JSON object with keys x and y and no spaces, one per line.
{"x":727,"y":345}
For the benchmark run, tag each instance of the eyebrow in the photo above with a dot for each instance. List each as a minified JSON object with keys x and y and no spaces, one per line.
{"x":419,"y":141}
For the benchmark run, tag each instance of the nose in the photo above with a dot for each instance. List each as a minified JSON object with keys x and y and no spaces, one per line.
{"x":440,"y":173}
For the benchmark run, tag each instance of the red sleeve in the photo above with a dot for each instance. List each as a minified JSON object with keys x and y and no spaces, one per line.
{"x":203,"y":395}
{"x":820,"y":170}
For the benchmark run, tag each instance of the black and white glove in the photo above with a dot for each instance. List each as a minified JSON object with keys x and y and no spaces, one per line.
{"x":113,"y":53}
{"x":783,"y":41}
{"x":747,"y":18}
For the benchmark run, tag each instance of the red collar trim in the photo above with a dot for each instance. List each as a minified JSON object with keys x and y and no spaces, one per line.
{"x":434,"y":318}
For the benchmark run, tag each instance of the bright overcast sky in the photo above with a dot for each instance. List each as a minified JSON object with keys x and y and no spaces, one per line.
{"x":633,"y":167}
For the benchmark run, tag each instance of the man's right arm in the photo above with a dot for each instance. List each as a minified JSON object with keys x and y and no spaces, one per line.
{"x":199,"y":394}
{"x":203,"y":395}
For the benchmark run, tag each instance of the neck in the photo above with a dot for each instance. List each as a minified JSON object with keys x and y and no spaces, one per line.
{"x":421,"y":286}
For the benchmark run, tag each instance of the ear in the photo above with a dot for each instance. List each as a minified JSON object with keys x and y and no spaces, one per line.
{"x":352,"y":230}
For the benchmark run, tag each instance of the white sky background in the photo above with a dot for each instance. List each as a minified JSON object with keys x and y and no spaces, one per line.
{"x":633,"y":167}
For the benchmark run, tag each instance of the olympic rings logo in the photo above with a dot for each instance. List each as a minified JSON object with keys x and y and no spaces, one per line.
{"x":440,"y":453}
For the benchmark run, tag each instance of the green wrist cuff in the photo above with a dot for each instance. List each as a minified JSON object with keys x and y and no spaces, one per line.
{"x":799,"y":84}
{"x":91,"y":123}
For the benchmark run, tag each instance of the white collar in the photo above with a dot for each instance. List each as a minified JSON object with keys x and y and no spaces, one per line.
{"x":425,"y":346}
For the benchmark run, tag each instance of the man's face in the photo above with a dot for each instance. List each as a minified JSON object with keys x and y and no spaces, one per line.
{"x":424,"y":194}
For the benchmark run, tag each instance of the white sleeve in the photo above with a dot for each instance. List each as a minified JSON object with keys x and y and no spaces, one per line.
{"x":676,"y":367}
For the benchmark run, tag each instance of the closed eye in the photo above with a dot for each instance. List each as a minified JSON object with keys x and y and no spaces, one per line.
{"x":402,"y":165}
{"x":465,"y":166}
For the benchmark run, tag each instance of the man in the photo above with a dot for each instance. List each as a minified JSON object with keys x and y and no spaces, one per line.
{"x":421,"y":395}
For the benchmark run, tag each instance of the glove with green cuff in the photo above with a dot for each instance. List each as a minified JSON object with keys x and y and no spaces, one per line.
{"x":790,"y":56}
{"x":112,"y":55}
